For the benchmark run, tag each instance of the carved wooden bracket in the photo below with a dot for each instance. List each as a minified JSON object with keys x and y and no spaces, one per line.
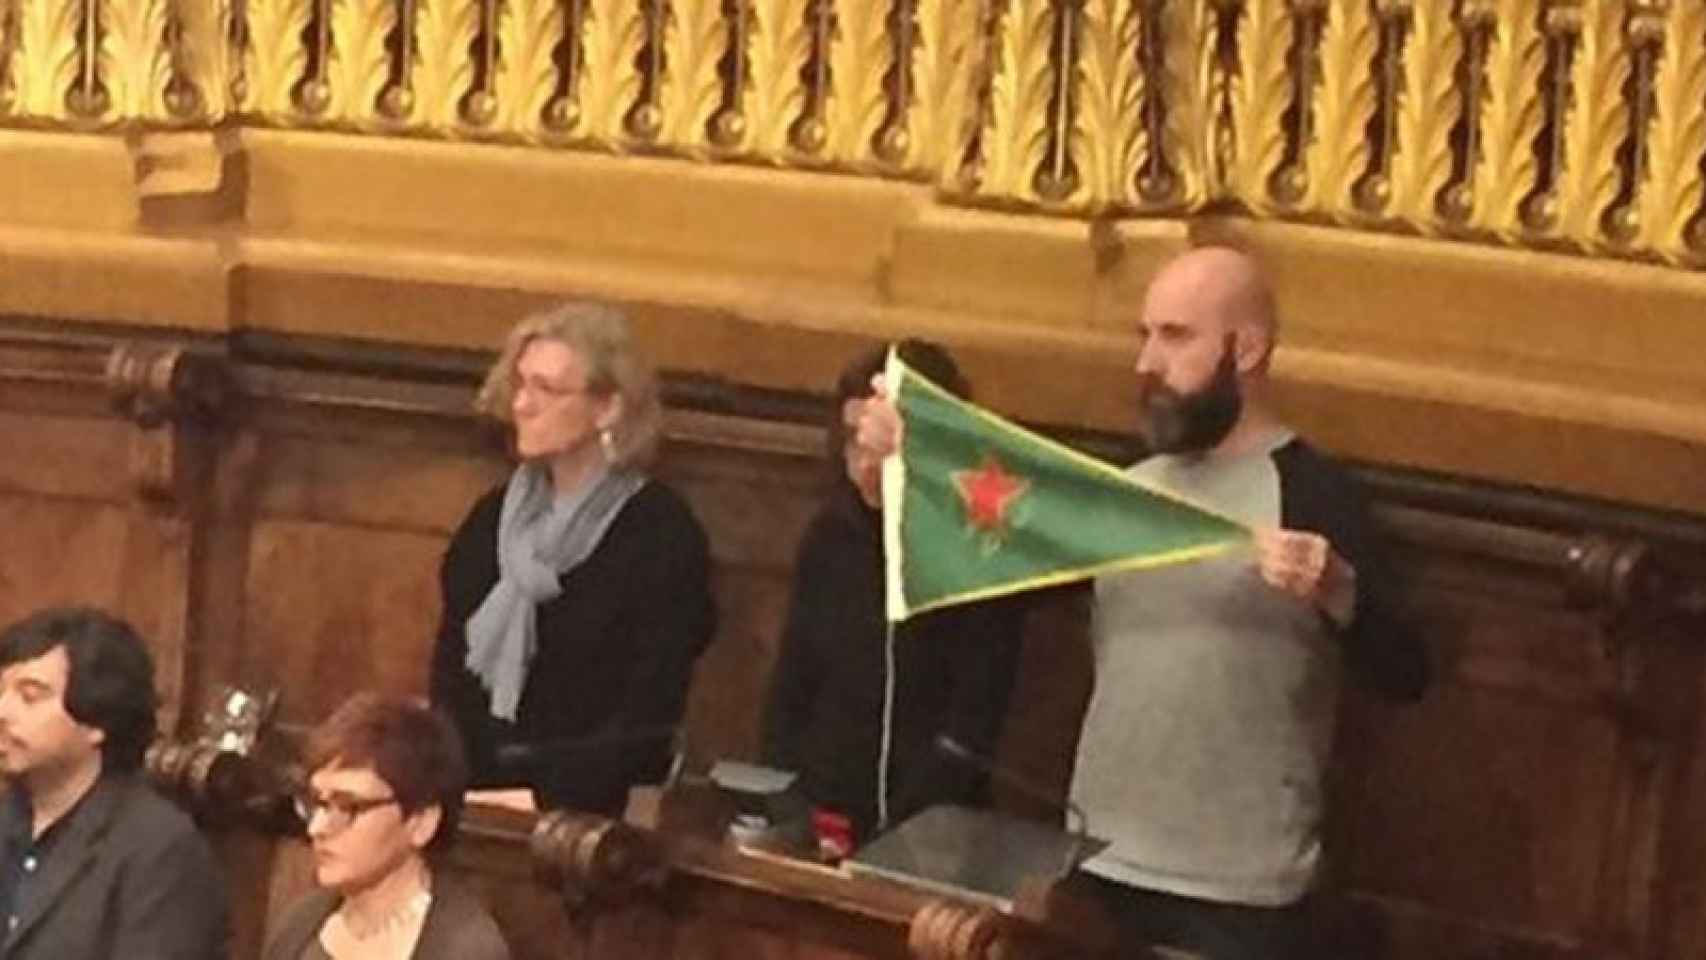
{"x":592,"y":859}
{"x":220,"y":786}
{"x":945,"y":930}
{"x":1630,"y":582}
{"x":154,"y":384}
{"x":157,"y":387}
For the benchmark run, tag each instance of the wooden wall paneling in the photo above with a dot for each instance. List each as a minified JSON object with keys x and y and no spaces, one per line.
{"x":63,"y":490}
{"x":1512,"y":755}
{"x":352,"y":503}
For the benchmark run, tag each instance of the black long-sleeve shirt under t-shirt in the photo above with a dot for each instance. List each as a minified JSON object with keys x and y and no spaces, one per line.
{"x":952,"y":668}
{"x":615,"y":654}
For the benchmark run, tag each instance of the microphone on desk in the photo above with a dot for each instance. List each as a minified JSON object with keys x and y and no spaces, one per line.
{"x":525,"y":755}
{"x":949,"y":746}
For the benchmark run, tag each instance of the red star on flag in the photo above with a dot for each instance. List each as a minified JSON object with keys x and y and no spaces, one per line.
{"x":988,"y":492}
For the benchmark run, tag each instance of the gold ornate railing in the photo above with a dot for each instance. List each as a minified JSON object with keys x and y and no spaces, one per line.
{"x":1570,"y":124}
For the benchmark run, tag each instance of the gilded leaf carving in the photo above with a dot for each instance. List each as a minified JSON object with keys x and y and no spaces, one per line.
{"x":777,"y":53}
{"x":1511,"y":118}
{"x":134,"y":63}
{"x":276,"y":55}
{"x":528,"y":34}
{"x":46,"y":55}
{"x":1108,"y":142}
{"x":1598,"y":121}
{"x":8,"y":62}
{"x":1337,"y":153}
{"x":697,"y":38}
{"x":614,"y":33}
{"x":1260,"y":94}
{"x":443,"y":70}
{"x":1194,"y":87}
{"x":206,"y":55}
{"x":859,"y":57}
{"x":360,"y":64}
{"x":1671,"y":195}
{"x":1015,"y":136}
{"x":943,"y":71}
{"x":1429,"y":105}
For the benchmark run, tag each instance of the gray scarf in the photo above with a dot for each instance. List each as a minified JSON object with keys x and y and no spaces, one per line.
{"x":540,"y":537}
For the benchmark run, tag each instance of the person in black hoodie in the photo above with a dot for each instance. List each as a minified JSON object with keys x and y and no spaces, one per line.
{"x":854,"y":708}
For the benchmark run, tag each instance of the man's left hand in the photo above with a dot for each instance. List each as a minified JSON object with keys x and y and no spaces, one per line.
{"x":1306,"y":566}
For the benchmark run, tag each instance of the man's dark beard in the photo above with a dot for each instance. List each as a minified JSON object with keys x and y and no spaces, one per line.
{"x":1197,"y":421}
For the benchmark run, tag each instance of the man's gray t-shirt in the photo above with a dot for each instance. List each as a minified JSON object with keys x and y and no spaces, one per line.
{"x":1206,"y":739}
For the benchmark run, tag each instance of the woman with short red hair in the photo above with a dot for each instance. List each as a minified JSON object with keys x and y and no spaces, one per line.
{"x":381,"y":802}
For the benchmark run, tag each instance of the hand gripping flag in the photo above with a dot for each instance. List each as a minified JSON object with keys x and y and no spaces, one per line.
{"x":977,"y":507}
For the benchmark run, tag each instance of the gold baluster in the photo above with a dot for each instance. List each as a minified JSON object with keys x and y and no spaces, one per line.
{"x":480,"y":107}
{"x":135,"y":57}
{"x":1111,"y":116}
{"x":893,"y":141}
{"x":952,"y":48}
{"x":1289,"y":185}
{"x":1058,"y":178}
{"x":276,"y":59}
{"x":1372,"y":194}
{"x":1335,"y":154}
{"x":8,"y":49}
{"x":89,"y":98}
{"x":1427,"y":107}
{"x":435,"y":69}
{"x":563,"y":111}
{"x":811,"y":134}
{"x":362,"y":62}
{"x":610,"y":87}
{"x":860,"y":57}
{"x":645,"y":121}
{"x":1477,"y":21}
{"x":1562,"y":28}
{"x":1511,"y":121}
{"x":524,"y":78}
{"x":1646,"y":31}
{"x":1259,"y":96}
{"x":779,"y":49}
{"x":1185,"y":105}
{"x":1599,"y":127}
{"x":1671,"y":189}
{"x":398,"y":100}
{"x":692,"y":87}
{"x":314,"y":96}
{"x":1014,"y":139}
{"x":729,"y":125}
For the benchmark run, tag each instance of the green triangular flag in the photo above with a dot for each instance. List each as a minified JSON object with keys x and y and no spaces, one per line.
{"x":975,"y":506}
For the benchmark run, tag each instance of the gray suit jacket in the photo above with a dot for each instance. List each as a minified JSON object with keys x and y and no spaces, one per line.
{"x":130,"y":879}
{"x":457,"y":926}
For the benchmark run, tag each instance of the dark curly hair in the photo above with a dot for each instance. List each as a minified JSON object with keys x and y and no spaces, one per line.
{"x":111,"y":681}
{"x":854,"y":383}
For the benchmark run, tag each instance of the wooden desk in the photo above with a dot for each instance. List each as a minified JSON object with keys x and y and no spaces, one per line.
{"x":570,"y":886}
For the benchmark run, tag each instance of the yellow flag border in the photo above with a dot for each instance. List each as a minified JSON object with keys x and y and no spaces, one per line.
{"x":895,"y":371}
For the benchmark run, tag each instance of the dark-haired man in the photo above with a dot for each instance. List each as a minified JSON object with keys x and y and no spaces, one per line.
{"x":93,"y":863}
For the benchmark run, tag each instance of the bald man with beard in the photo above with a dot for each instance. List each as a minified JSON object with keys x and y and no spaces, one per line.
{"x":1206,"y":741}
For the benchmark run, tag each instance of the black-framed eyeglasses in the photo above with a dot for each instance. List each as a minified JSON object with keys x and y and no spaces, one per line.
{"x":339,"y":809}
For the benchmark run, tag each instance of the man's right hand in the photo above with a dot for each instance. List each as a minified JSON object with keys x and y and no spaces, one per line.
{"x":877,"y":424}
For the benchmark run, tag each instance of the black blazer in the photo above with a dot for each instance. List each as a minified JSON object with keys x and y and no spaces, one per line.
{"x":616,"y":652}
{"x":129,"y":879}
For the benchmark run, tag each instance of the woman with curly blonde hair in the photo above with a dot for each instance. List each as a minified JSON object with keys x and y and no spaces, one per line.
{"x":576,"y":594}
